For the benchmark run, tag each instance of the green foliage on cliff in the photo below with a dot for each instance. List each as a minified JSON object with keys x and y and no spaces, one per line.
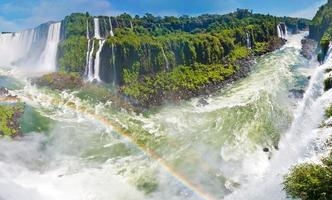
{"x":180,"y":79}
{"x":9,"y":116}
{"x":74,"y":25}
{"x":310,"y":181}
{"x":153,"y":56}
{"x":152,"y":40}
{"x":321,"y":27}
{"x":72,"y":53}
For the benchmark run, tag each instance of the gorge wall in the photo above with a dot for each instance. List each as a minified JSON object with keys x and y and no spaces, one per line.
{"x":151,"y":56}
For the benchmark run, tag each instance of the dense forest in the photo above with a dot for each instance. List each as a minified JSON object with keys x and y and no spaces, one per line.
{"x":152,"y":59}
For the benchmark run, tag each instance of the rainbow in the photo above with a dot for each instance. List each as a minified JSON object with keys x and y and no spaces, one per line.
{"x":152,"y":154}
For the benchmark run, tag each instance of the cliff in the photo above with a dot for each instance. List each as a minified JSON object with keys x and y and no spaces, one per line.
{"x":151,"y":59}
{"x":321,"y":28}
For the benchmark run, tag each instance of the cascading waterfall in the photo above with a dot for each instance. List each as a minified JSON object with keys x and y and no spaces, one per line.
{"x":248,"y":41}
{"x":165,"y":58}
{"x":97,"y":60}
{"x":113,"y":51}
{"x":131,"y":25}
{"x":48,"y":58}
{"x":88,"y":50}
{"x":90,"y":64}
{"x":97,"y":28}
{"x":93,"y":65}
{"x":14,"y":46}
{"x":111,"y":27}
{"x":282,"y":31}
{"x":33,"y":49}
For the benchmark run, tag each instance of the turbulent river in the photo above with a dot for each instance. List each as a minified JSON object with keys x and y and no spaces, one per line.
{"x":237,"y":146}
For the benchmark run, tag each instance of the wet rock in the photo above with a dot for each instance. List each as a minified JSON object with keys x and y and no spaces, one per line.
{"x":202,"y":102}
{"x":59,"y":81}
{"x":265,"y":149}
{"x":308,"y":48}
{"x":327,"y":83}
{"x":295,"y":93}
{"x":5,"y":96}
{"x":328,"y":70}
{"x":4,"y":91}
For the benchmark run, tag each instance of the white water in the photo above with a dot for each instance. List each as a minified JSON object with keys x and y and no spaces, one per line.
{"x":15,"y":45}
{"x":97,"y":61}
{"x":165,"y":58}
{"x":90,"y":64}
{"x":113,"y":64}
{"x":111,"y":27}
{"x":77,"y":161}
{"x":96,"y":28}
{"x":33,"y":51}
{"x":88,"y":50}
{"x":131,"y":25}
{"x":281,"y":32}
{"x":248,"y":41}
{"x":299,"y":144}
{"x":48,"y":58}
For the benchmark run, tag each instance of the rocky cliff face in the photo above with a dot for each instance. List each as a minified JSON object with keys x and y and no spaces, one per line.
{"x":321,"y":23}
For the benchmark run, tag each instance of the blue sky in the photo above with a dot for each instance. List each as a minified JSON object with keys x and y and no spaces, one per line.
{"x":17,"y":14}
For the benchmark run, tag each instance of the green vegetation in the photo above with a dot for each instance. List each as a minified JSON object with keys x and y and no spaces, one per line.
{"x":328,"y":112}
{"x":9,"y":116}
{"x":147,"y":183}
{"x":310,"y":181}
{"x":71,"y":53}
{"x":60,"y":81}
{"x":170,"y":57}
{"x":75,"y":24}
{"x":321,"y":27}
{"x":181,"y":79}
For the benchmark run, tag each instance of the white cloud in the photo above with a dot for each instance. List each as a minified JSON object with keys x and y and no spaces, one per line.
{"x":309,"y":12}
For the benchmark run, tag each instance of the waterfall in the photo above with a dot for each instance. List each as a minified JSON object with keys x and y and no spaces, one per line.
{"x":97,"y":60}
{"x":282,"y":31}
{"x":113,"y":64}
{"x":14,"y":46}
{"x":248,"y":41}
{"x":113,"y":52}
{"x":48,"y":58}
{"x":131,"y":25}
{"x":97,"y":28}
{"x":165,"y":58}
{"x":88,"y":50}
{"x":34,"y":49}
{"x":93,"y":65}
{"x":111,"y":27}
{"x":90,"y":65}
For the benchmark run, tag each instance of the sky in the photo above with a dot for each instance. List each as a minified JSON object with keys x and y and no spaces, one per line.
{"x":18,"y":14}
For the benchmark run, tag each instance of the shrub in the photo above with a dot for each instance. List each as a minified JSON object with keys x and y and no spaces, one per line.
{"x":310,"y":181}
